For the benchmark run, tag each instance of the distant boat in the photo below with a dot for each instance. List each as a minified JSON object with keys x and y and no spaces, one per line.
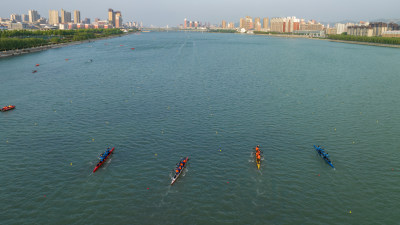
{"x":6,"y":108}
{"x":145,"y":31}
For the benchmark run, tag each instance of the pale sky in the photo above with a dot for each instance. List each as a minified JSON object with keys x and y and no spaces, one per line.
{"x":173,"y":12}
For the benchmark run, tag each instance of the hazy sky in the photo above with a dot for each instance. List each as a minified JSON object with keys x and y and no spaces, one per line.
{"x":172,"y":12}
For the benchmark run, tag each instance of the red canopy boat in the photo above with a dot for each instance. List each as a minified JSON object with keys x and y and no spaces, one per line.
{"x":104,"y":159}
{"x":6,"y":108}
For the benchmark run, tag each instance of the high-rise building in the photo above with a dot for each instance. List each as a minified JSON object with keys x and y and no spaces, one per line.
{"x":15,"y":18}
{"x":378,"y":28}
{"x":68,"y":17}
{"x":223,"y":24}
{"x":111,"y":17}
{"x":393,"y":26}
{"x":25,"y":18}
{"x":118,"y":19}
{"x":77,"y":16}
{"x":248,"y":23}
{"x":53,"y":17}
{"x":340,"y":28}
{"x":257,"y":24}
{"x":65,"y":16}
{"x":196,"y":24}
{"x":285,"y":24}
{"x":265,"y":23}
{"x":86,"y":21}
{"x":231,"y":25}
{"x":33,"y":16}
{"x":185,"y":24}
{"x":360,"y":30}
{"x":278,"y":24}
{"x":241,"y":23}
{"x":311,"y":26}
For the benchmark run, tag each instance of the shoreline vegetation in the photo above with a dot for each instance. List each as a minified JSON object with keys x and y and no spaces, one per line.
{"x":391,"y":42}
{"x":343,"y":38}
{"x":374,"y":41}
{"x":222,"y":31}
{"x":13,"y":43}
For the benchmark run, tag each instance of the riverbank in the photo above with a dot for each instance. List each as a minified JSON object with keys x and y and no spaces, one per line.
{"x":286,"y":36}
{"x":18,"y":52}
{"x":332,"y":40}
{"x":364,"y":43}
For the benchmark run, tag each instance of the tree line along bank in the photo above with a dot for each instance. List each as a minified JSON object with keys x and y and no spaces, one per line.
{"x":20,"y":39}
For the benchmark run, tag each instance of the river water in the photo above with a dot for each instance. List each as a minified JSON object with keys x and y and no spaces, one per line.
{"x":212,"y":97}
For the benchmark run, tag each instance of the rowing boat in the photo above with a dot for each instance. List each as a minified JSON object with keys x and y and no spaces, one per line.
{"x":6,"y":108}
{"x":258,"y":160}
{"x":321,"y":152}
{"x":102,"y":161}
{"x":177,"y":174}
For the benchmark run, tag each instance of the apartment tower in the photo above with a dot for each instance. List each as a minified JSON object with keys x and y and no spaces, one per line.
{"x":111,"y":17}
{"x":223,"y":24}
{"x":77,"y":16}
{"x":65,"y":16}
{"x":118,"y":19}
{"x":33,"y":16}
{"x":53,"y":17}
{"x":265,"y":23}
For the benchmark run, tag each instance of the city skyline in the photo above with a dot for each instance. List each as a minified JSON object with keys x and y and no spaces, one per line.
{"x":161,"y":13}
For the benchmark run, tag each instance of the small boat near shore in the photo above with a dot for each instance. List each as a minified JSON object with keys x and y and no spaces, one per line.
{"x":7,"y":108}
{"x":103,"y":158}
